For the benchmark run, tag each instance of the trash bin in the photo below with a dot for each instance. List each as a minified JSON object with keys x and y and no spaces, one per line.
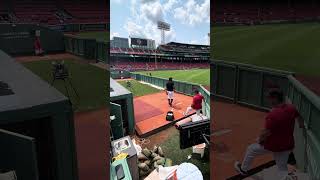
{"x":120,"y":170}
{"x":125,"y":145}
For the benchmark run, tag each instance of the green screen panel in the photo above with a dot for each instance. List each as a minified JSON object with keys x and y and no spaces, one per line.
{"x":313,"y":157}
{"x":226,"y":78}
{"x":304,"y":108}
{"x":315,"y":122}
{"x":116,"y":124}
{"x":18,"y":153}
{"x":81,"y":47}
{"x":249,"y":87}
{"x":299,"y":150}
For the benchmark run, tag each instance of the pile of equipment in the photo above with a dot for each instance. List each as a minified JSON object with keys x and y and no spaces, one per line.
{"x":152,"y":159}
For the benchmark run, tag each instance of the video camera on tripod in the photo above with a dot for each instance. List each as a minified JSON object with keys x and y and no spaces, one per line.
{"x":59,"y":70}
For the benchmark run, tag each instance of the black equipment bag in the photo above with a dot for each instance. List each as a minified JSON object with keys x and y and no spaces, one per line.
{"x":170,"y":116}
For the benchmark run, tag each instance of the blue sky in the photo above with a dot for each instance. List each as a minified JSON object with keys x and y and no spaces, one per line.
{"x":189,"y":19}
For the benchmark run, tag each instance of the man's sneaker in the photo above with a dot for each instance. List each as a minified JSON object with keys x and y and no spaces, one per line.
{"x":290,"y":176}
{"x":237,"y":166}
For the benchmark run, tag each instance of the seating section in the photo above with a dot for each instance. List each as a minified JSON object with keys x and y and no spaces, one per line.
{"x":85,"y":11}
{"x":36,"y":11}
{"x":185,"y":48}
{"x":136,"y":66}
{"x":54,"y":12}
{"x":251,"y":13}
{"x":144,"y":58}
{"x":133,"y":51}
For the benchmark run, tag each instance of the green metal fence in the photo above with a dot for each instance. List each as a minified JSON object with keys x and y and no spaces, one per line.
{"x":19,"y":39}
{"x":246,"y":84}
{"x":118,"y":74}
{"x":87,"y":48}
{"x":180,"y":86}
{"x":121,"y":100}
{"x":307,"y":149}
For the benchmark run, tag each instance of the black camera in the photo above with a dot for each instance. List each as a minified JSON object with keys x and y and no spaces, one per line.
{"x":59,"y":70}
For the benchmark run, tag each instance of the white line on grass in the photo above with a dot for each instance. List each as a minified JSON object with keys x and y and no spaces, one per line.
{"x":154,"y":86}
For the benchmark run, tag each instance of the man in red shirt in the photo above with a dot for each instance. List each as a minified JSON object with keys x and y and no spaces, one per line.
{"x":277,"y":136}
{"x":37,"y":46}
{"x":196,"y":103}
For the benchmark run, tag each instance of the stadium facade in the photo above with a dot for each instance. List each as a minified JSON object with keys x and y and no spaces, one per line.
{"x":119,"y":42}
{"x":172,"y":55}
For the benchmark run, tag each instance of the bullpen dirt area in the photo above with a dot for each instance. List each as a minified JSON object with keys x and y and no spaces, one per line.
{"x":245,"y":125}
{"x":92,"y":137}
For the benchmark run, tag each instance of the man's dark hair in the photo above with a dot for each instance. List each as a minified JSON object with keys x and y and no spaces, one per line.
{"x":276,"y":93}
{"x":170,"y":78}
{"x":196,"y":91}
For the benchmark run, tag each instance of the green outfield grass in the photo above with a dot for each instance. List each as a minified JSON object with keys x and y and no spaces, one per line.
{"x":199,"y":76}
{"x":88,"y":80}
{"x":139,"y":89}
{"x":291,"y":47}
{"x":95,"y":35}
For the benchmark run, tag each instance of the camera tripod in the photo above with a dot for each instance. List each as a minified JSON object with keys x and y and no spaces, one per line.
{"x":61,"y":73}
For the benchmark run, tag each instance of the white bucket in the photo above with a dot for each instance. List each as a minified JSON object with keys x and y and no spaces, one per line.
{"x":199,"y":149}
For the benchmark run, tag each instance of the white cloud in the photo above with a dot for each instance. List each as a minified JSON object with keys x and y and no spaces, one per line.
{"x":194,"y":42}
{"x":152,"y":11}
{"x":134,"y":29}
{"x":114,"y":34}
{"x":149,"y":31}
{"x":169,"y":5}
{"x":133,"y":8}
{"x":206,"y":40}
{"x":117,"y":1}
{"x":145,"y":15}
{"x":193,"y":13}
{"x":202,"y":41}
{"x":147,"y":1}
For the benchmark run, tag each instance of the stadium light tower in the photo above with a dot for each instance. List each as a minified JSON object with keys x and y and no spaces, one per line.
{"x":163,"y":26}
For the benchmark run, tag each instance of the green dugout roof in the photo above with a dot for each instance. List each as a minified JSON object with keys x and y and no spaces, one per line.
{"x":26,"y":89}
{"x":117,"y":90}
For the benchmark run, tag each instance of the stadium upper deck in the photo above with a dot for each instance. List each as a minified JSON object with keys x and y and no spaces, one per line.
{"x":234,"y":12}
{"x":169,"y":56}
{"x":169,"y":49}
{"x":53,"y":12}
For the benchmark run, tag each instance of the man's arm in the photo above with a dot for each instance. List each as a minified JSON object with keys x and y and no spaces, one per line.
{"x":263,"y":135}
{"x":166,"y":89}
{"x":266,"y":132}
{"x":300,"y":122}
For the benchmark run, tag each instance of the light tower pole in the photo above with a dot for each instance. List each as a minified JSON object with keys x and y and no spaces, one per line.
{"x":162,"y":26}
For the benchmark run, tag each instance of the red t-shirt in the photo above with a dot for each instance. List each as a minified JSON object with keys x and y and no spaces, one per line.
{"x":37,"y":43}
{"x":197,"y":101}
{"x":280,"y":122}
